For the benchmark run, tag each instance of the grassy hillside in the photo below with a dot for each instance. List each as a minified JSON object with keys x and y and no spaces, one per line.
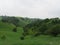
{"x":22,"y":21}
{"x":8,"y":37}
{"x":6,"y":26}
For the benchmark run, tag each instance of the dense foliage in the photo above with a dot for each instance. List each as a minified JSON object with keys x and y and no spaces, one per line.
{"x":44,"y":26}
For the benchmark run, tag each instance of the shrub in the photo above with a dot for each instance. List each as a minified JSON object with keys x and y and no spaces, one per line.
{"x":15,"y":30}
{"x":3,"y":37}
{"x":22,"y":37}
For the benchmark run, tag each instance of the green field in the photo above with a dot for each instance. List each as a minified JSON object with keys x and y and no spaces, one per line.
{"x":13,"y":38}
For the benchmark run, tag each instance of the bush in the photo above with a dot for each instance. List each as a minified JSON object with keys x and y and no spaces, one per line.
{"x":3,"y":37}
{"x":22,"y":38}
{"x":15,"y":30}
{"x":37,"y":34}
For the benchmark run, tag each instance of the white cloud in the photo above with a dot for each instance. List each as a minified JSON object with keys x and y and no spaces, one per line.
{"x":54,"y":8}
{"x":30,"y":8}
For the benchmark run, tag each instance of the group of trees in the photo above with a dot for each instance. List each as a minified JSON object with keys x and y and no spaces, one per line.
{"x":11,"y":20}
{"x":43,"y":26}
{"x":35,"y":27}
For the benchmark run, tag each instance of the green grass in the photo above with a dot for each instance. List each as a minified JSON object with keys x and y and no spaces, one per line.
{"x":42,"y":40}
{"x":0,"y":17}
{"x":13,"y":38}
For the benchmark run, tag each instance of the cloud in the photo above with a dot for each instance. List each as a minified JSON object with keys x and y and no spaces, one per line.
{"x":30,"y":8}
{"x":54,"y":8}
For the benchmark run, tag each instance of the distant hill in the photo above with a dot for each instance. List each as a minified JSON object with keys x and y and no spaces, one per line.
{"x":23,"y":21}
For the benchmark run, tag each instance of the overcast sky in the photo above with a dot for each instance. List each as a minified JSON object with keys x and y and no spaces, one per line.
{"x":30,"y":8}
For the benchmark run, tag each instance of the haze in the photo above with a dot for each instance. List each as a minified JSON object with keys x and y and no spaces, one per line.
{"x":30,"y":8}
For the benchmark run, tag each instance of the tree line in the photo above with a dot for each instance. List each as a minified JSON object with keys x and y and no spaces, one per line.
{"x":43,"y":27}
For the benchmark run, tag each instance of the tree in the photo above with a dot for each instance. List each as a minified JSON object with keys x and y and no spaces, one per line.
{"x":54,"y":30}
{"x":3,"y":37}
{"x":12,"y":20}
{"x":4,"y":19}
{"x":22,"y":37}
{"x":15,"y":30}
{"x":43,"y":28}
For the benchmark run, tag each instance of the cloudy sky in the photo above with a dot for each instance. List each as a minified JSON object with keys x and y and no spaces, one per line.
{"x":30,"y":8}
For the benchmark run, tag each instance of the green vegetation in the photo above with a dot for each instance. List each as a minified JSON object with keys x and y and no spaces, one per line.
{"x":26,"y":31}
{"x":44,"y":27}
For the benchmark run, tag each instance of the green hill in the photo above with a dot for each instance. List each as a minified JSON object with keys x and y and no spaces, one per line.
{"x":8,"y":37}
{"x":22,"y":21}
{"x":6,"y":26}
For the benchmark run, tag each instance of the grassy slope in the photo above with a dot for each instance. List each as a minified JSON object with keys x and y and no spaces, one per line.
{"x":13,"y":38}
